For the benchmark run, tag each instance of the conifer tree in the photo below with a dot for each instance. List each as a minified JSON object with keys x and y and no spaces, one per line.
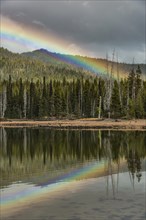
{"x":44,"y":101}
{"x":139,"y":106}
{"x":138,"y":81}
{"x":21,"y":100}
{"x":51,"y":110}
{"x":131,"y":83}
{"x":8,"y":113}
{"x":115,"y":101}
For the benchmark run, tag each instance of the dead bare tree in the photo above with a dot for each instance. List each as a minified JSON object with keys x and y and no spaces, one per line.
{"x":109,"y":83}
{"x":118,"y":79}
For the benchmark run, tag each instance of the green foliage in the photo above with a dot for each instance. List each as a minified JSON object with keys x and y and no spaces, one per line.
{"x":65,"y":91}
{"x":131,"y":109}
{"x":115,"y":101}
{"x":139,"y":107}
{"x":80,"y":98}
{"x":27,"y":67}
{"x":40,"y":63}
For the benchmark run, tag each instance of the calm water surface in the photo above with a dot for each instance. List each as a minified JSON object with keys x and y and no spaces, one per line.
{"x":83,"y":174}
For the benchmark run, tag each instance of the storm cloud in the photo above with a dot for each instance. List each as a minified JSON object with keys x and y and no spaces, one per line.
{"x":96,"y":26}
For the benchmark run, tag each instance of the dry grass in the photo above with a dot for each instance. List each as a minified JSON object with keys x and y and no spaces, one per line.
{"x":85,"y":123}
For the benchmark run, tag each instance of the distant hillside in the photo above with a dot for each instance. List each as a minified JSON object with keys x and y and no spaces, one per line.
{"x":95,"y":65}
{"x":39,"y":63}
{"x":27,"y":67}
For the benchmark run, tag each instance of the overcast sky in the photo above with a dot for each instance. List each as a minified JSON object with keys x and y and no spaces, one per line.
{"x":96,"y":27}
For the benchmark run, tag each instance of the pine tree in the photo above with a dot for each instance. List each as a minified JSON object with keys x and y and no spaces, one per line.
{"x":8,"y":113}
{"x":57,"y":99}
{"x":138,"y":81}
{"x":31,"y":99}
{"x":131,"y":83}
{"x":43,"y":111}
{"x":3,"y":99}
{"x":139,"y":106}
{"x":87,"y":99}
{"x":115,"y":101}
{"x":131,"y":109}
{"x":21,"y":100}
{"x":51,"y":110}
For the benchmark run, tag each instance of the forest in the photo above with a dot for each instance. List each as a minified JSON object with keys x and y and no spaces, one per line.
{"x":74,"y":98}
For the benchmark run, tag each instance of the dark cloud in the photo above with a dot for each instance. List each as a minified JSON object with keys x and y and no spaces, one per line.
{"x":96,"y":26}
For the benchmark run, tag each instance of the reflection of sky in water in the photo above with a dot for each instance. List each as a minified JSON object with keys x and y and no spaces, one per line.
{"x":22,"y":190}
{"x":127,"y":197}
{"x":124,"y":183}
{"x":116,"y":183}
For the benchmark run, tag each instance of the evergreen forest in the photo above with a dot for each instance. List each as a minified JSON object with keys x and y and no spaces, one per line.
{"x":34,"y":89}
{"x":95,"y":97}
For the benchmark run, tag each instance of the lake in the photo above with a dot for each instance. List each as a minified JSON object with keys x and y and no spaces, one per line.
{"x":72,"y":174}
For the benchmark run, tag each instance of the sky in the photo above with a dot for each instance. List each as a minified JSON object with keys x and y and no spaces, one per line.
{"x":89,"y":28}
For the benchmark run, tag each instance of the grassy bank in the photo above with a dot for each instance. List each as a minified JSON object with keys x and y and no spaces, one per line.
{"x":87,"y":123}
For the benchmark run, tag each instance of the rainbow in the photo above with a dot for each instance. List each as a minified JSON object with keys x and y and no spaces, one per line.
{"x":88,"y":64}
{"x":27,"y":193}
{"x":29,"y":38}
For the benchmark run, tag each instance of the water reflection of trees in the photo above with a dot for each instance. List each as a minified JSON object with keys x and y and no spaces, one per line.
{"x":131,"y":146}
{"x":18,"y":146}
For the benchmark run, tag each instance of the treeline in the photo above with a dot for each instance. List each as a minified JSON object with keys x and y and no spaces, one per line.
{"x":77,"y":98}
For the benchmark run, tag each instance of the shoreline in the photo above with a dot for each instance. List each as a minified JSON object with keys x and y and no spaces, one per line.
{"x":87,"y":123}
